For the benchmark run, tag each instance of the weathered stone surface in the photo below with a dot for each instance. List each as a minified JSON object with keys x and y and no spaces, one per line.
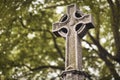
{"x":73,"y":26}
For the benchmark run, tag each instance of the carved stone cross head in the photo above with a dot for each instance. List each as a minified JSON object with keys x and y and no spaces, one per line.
{"x":73,"y":26}
{"x":74,"y":20}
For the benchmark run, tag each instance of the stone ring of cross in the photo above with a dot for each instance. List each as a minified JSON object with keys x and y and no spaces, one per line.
{"x":73,"y":20}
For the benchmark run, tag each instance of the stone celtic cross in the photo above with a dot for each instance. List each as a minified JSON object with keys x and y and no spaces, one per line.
{"x":73,"y":26}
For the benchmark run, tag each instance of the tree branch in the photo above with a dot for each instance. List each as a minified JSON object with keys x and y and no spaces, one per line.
{"x":24,"y":26}
{"x":61,"y":4}
{"x":54,"y":6}
{"x":106,"y":53}
{"x":53,"y":37}
{"x":103,"y":55}
{"x":48,"y":66}
{"x":110,"y":3}
{"x":90,"y":44}
{"x":117,"y":3}
{"x":38,"y":68}
{"x":115,"y":25}
{"x":57,"y":48}
{"x":110,"y":66}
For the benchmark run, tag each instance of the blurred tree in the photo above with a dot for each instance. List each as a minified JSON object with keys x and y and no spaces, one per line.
{"x":29,"y":50}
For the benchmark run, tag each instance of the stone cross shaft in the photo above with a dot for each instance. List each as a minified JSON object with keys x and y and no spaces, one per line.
{"x":73,"y":26}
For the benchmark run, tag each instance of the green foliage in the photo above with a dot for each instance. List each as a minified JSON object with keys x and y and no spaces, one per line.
{"x":29,"y":50}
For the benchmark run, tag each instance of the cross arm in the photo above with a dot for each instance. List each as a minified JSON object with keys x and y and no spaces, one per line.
{"x":56,"y":27}
{"x":88,"y":20}
{"x":84,"y":23}
{"x":59,"y":29}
